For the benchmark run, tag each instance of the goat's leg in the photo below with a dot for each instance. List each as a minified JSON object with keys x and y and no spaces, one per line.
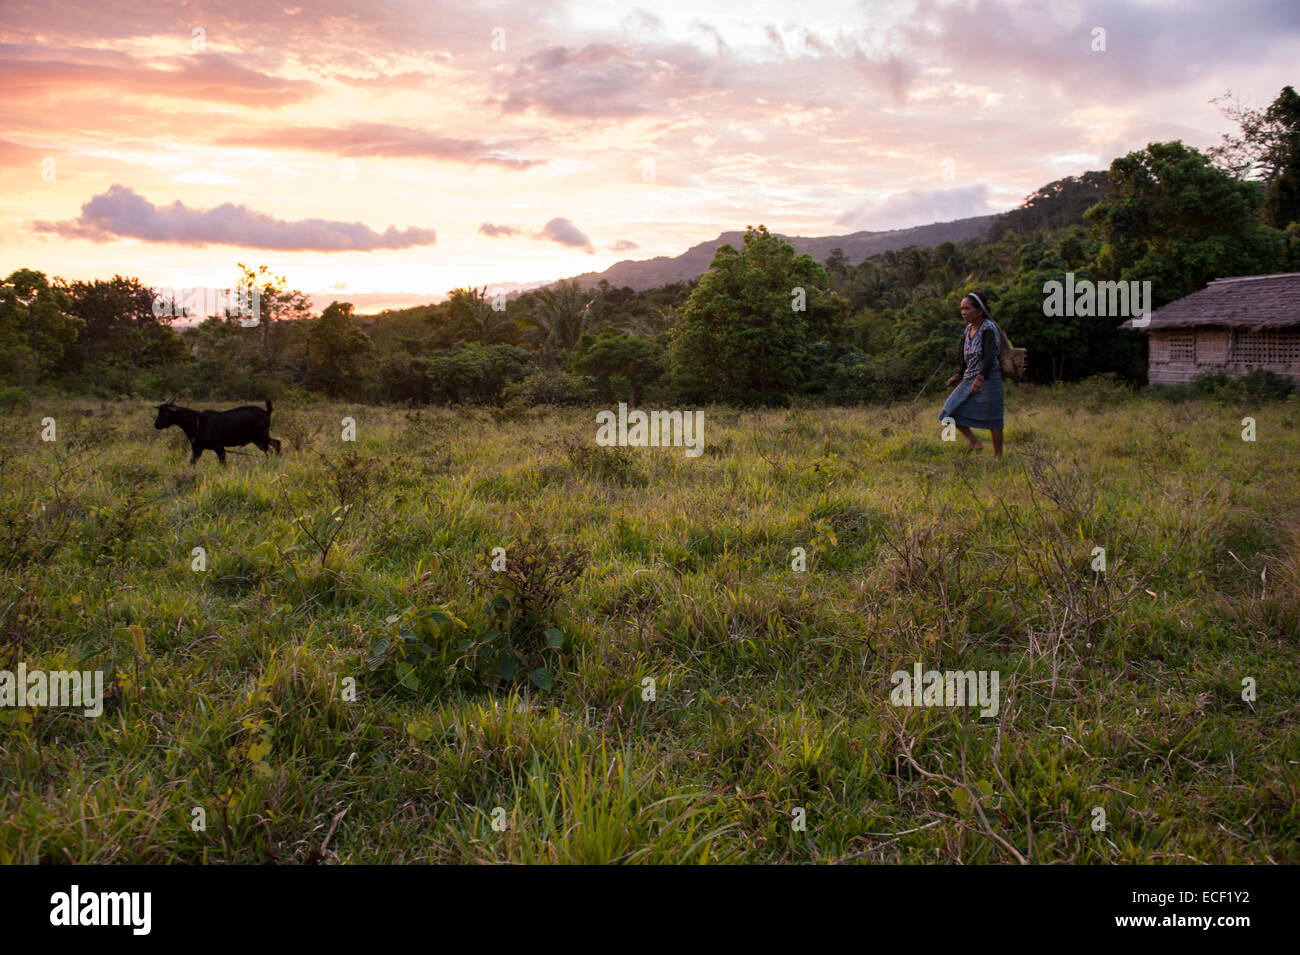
{"x":195,"y":451}
{"x":276,"y":444}
{"x":221,"y":455}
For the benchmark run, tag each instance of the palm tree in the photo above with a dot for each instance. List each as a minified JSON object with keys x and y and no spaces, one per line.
{"x":913,"y":265}
{"x":896,"y":297}
{"x":950,"y":258}
{"x":562,"y":316}
{"x":475,"y":318}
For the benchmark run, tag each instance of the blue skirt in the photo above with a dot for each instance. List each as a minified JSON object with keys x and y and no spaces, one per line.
{"x":983,"y":410}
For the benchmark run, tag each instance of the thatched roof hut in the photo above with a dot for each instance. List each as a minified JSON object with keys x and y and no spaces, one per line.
{"x":1233,"y":325}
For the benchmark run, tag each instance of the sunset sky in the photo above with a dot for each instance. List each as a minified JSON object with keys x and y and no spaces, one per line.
{"x":384,"y":152}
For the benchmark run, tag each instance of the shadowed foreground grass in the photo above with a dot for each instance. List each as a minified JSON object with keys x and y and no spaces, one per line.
{"x":308,"y":711}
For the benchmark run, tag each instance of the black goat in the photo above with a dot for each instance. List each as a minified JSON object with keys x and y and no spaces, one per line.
{"x":218,"y":430}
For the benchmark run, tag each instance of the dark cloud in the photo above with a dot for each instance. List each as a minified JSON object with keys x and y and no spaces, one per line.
{"x":122,"y":213}
{"x":383,"y":139}
{"x":558,"y":230}
{"x":566,"y":233}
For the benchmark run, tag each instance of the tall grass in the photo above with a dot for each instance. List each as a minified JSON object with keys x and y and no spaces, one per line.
{"x":709,"y":702}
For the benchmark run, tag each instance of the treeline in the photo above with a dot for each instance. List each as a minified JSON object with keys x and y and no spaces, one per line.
{"x":763,"y":326}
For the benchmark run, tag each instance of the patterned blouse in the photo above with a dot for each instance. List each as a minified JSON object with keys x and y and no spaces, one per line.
{"x":980,"y":354}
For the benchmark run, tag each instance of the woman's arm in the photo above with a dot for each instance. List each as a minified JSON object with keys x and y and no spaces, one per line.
{"x":961,"y":357}
{"x":988,"y":346}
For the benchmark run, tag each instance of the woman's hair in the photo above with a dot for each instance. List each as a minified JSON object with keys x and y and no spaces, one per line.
{"x":980,"y":302}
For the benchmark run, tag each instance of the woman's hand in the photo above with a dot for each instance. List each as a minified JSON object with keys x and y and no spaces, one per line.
{"x":977,"y":386}
{"x":953,"y":380}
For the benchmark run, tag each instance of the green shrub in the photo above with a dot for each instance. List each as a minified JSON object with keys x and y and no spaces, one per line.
{"x":551,"y":388}
{"x":13,"y":398}
{"x":102,"y":381}
{"x":470,"y":373}
{"x":520,"y":639}
{"x":859,"y":383}
{"x":1259,"y":384}
{"x":1266,"y":385}
{"x":419,"y":649}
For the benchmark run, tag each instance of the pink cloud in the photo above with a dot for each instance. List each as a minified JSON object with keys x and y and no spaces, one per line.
{"x":122,"y":213}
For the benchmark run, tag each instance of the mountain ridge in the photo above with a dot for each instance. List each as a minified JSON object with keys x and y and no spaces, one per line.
{"x":643,"y":274}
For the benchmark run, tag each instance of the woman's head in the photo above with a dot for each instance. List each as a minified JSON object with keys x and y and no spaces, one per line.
{"x":974,"y":309}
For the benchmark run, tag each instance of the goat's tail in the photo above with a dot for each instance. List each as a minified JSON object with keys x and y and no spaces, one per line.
{"x":268,"y":407}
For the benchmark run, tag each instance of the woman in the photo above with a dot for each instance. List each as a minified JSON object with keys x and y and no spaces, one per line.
{"x":976,"y":402}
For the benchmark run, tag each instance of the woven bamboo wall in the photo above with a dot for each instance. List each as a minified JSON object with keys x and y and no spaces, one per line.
{"x":1178,"y":355}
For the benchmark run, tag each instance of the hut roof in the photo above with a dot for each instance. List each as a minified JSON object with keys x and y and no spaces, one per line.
{"x":1252,"y":302}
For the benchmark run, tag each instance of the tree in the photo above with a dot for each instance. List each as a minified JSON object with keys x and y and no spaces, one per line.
{"x":637,"y":360}
{"x":1282,"y":199}
{"x":1058,"y":204}
{"x":912,"y":266}
{"x":837,"y":266}
{"x":1268,"y":150}
{"x":471,"y":372}
{"x":36,"y":329}
{"x":278,"y":303}
{"x":561,"y":316}
{"x":1267,"y":145}
{"x":471,"y":317}
{"x":120,"y":325}
{"x":1174,"y":218}
{"x":1064,"y":348}
{"x":337,"y":351}
{"x":741,"y":336}
{"x":949,"y":259}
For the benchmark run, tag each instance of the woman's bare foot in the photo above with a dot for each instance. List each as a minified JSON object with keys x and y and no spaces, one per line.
{"x":973,"y":446}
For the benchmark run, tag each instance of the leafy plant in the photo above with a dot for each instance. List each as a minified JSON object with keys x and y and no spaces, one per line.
{"x":1259,"y":384}
{"x":520,"y":638}
{"x":255,"y":748}
{"x":514,"y":644}
{"x":14,"y":398}
{"x":349,"y":479}
{"x":419,"y":647}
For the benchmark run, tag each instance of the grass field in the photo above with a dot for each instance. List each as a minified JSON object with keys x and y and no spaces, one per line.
{"x":281,"y":697}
